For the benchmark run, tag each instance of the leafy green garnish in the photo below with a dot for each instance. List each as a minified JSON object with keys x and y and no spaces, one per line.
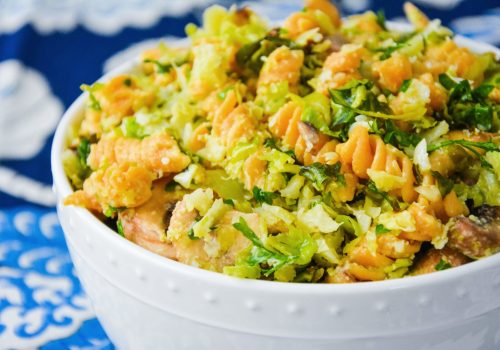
{"x":128,"y":82}
{"x":191,"y":234}
{"x":319,"y":173}
{"x":93,"y":102}
{"x":251,"y":55}
{"x":393,"y":202}
{"x":406,"y":84}
{"x":261,"y":254}
{"x":398,"y":44}
{"x":442,"y":265}
{"x":271,"y":143}
{"x":381,"y":229}
{"x":170,"y":186}
{"x":228,"y":202}
{"x":119,"y":228}
{"x":381,"y":19}
{"x":399,"y":138}
{"x":445,"y":185}
{"x":488,"y":146}
{"x":263,"y":196}
{"x":83,"y":151}
{"x":351,"y":100}
{"x":110,"y":211}
{"x":161,"y":67}
{"x":468,"y":107}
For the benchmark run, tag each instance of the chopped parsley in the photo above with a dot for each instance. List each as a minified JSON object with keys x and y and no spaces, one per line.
{"x":393,"y":202}
{"x":262,"y":196}
{"x":381,"y":19}
{"x":111,"y":210}
{"x":468,"y":107}
{"x":119,"y":228}
{"x":261,"y":254}
{"x":271,"y":143}
{"x":93,"y":102}
{"x":191,"y":234}
{"x":399,"y":138}
{"x":405,"y":85}
{"x":353,"y":99}
{"x":381,"y":229}
{"x":445,"y":185}
{"x":319,"y":173}
{"x":161,"y":67}
{"x":228,"y":202}
{"x":251,"y":55}
{"x":442,"y":265}
{"x":170,"y":186}
{"x":83,"y":151}
{"x":472,"y":146}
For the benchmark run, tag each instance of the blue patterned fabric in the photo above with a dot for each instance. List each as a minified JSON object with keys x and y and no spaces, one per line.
{"x":47,"y":49}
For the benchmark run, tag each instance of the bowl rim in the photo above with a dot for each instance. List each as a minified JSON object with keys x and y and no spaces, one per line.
{"x":63,"y":188}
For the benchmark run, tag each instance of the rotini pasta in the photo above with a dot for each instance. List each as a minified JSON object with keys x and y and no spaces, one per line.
{"x":327,"y":150}
{"x":368,"y":156}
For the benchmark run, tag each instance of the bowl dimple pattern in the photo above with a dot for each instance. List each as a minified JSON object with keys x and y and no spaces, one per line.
{"x":210,"y":298}
{"x":252,"y":305}
{"x":112,"y":259}
{"x":461,"y":292}
{"x":381,"y":306}
{"x":140,"y":274}
{"x":424,"y":300}
{"x":172,"y":287}
{"x":335,"y":310}
{"x":293,"y":309}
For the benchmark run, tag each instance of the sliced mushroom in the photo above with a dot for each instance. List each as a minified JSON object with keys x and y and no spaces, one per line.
{"x":478,"y":235}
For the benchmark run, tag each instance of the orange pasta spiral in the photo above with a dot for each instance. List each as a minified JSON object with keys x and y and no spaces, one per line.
{"x":232,"y":122}
{"x":365,"y":264}
{"x":308,"y":144}
{"x":364,"y":152}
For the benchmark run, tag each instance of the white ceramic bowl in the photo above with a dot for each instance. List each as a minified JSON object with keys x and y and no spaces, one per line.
{"x":145,"y":301}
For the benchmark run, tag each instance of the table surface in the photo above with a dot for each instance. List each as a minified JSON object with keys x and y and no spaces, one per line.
{"x":47,"y":49}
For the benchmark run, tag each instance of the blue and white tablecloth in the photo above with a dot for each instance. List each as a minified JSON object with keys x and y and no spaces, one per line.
{"x":47,"y":49}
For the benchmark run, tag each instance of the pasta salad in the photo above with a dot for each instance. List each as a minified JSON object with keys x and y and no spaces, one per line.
{"x":324,"y":150}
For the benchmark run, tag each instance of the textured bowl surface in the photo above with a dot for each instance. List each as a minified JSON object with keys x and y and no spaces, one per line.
{"x":145,"y":301}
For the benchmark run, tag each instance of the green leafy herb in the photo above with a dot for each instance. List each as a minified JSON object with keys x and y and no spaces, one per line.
{"x":161,"y":67}
{"x":93,"y":102}
{"x":263,"y":196}
{"x":442,"y":265}
{"x":271,"y":143}
{"x":191,"y":234}
{"x":393,"y":202}
{"x":222,"y":95}
{"x":399,"y":138}
{"x":111,"y":210}
{"x":260,"y":254}
{"x":381,"y":229}
{"x":406,"y":84}
{"x":228,"y":202}
{"x":170,"y":186}
{"x":119,"y":227}
{"x":319,"y":173}
{"x":472,"y":146}
{"x":445,"y":185}
{"x":353,"y":99}
{"x":381,"y":19}
{"x":468,"y":107}
{"x":128,"y":82}
{"x":398,"y":44}
{"x":251,"y":55}
{"x":83,"y":151}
